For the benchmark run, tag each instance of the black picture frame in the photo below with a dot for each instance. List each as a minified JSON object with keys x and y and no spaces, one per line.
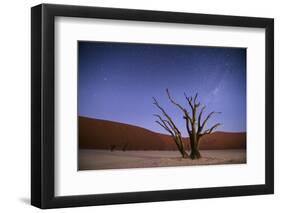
{"x":43,"y":114}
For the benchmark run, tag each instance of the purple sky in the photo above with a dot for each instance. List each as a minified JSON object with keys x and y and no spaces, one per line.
{"x":118,"y":80}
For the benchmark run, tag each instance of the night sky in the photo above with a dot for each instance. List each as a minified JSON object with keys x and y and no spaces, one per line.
{"x":116,"y":81}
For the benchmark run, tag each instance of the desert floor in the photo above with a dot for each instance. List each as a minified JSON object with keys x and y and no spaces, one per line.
{"x":90,"y":159}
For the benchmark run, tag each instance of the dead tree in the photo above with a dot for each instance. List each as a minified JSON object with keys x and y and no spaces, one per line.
{"x":168,"y":124}
{"x":125,"y":147}
{"x":112,"y":147}
{"x":194,"y":125}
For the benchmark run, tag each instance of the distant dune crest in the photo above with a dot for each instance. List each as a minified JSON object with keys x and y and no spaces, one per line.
{"x":102,"y":134}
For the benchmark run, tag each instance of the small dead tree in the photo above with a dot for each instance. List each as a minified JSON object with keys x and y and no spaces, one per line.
{"x":112,"y":147}
{"x":168,"y":124}
{"x":194,"y":125}
{"x":125,"y":147}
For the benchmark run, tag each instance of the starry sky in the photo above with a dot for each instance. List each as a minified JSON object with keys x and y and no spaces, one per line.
{"x":116,"y":81}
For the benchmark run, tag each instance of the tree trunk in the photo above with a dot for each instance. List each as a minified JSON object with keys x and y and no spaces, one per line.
{"x":195,"y":154}
{"x":183,"y":153}
{"x":194,"y":145}
{"x":180,"y":147}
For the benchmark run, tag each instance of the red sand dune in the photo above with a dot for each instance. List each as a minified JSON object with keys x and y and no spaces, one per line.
{"x":102,"y":134}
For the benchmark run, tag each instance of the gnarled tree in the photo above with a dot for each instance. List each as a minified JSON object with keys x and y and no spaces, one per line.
{"x":195,"y":125}
{"x":167,"y":123}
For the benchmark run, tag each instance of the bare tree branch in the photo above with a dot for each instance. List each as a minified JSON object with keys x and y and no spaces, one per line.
{"x":165,"y":114}
{"x":172,"y":100}
{"x":194,"y":102}
{"x":187,"y":127}
{"x":189,"y":100}
{"x":163,"y":123}
{"x":200,"y":117}
{"x":167,"y":129}
{"x":171,"y":126}
{"x":168,"y":124}
{"x":206,"y":119}
{"x":209,"y":131}
{"x":178,"y":105}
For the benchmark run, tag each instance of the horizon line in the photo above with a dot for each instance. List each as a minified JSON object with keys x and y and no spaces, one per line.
{"x":152,"y":130}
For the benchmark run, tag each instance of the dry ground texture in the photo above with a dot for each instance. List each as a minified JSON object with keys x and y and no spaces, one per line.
{"x":91,"y":159}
